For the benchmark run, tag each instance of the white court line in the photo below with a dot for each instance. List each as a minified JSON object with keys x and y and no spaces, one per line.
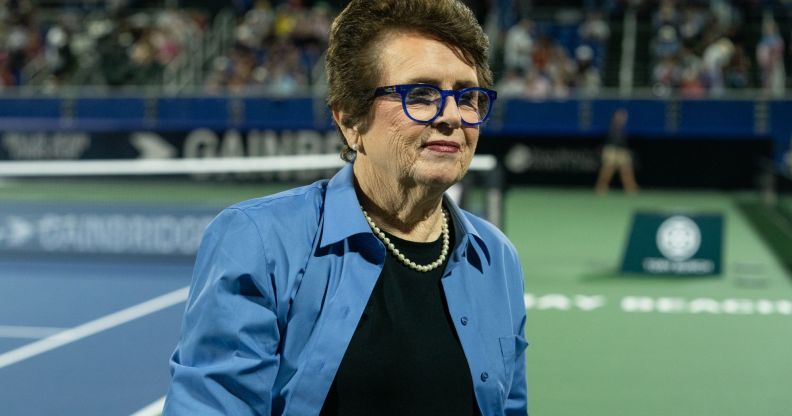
{"x":34,"y":332}
{"x":98,"y":325}
{"x":153,"y":409}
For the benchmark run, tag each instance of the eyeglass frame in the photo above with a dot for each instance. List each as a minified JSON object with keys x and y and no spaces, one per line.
{"x":403,"y":89}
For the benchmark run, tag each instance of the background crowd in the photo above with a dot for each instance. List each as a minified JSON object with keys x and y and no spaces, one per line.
{"x":97,"y":43}
{"x":708,"y":47}
{"x":542,"y":49}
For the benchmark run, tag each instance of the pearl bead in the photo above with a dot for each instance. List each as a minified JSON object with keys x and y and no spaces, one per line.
{"x":402,"y":258}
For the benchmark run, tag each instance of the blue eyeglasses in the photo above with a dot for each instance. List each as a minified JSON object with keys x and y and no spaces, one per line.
{"x":423,"y":103}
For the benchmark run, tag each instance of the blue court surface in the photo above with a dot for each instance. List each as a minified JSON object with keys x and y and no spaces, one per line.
{"x":87,"y":336}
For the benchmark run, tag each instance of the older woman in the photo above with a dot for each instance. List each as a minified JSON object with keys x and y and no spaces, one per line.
{"x":371,"y":293}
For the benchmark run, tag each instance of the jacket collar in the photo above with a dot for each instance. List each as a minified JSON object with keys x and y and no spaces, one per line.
{"x":342,"y":208}
{"x":465,"y":230}
{"x":342,"y":213}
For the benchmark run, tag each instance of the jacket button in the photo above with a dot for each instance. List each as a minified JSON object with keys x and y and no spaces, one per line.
{"x":484,"y":376}
{"x":464,"y":320}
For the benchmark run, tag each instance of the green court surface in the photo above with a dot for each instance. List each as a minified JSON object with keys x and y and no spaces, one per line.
{"x":148,"y":190}
{"x":602,"y":344}
{"x":697,"y":346}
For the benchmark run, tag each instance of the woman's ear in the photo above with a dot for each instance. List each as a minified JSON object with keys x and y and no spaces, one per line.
{"x":351,"y":134}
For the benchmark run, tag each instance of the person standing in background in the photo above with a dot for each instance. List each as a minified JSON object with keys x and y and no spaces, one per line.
{"x":616,"y":155}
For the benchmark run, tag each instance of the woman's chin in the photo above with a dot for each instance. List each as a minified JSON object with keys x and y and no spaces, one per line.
{"x":439,"y":178}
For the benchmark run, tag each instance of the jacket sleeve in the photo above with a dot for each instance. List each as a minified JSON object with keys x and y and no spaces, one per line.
{"x":226,"y":360}
{"x":517,"y":399}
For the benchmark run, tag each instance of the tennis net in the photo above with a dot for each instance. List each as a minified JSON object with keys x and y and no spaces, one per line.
{"x":160,"y":207}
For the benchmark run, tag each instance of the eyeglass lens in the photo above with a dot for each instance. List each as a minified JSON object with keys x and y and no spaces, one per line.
{"x":423,"y":104}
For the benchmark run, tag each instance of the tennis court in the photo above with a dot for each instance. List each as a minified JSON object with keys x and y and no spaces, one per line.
{"x":601,"y":343}
{"x":648,"y":346}
{"x":126,"y":126}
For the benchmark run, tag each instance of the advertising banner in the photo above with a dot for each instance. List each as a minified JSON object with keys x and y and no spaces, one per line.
{"x":96,"y":230}
{"x":674,"y":244}
{"x":527,"y":160}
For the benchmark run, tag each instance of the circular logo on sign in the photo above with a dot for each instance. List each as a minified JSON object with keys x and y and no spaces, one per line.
{"x":518,"y":160}
{"x":678,"y":238}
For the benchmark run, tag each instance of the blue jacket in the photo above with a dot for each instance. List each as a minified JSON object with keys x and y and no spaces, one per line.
{"x":280,"y":283}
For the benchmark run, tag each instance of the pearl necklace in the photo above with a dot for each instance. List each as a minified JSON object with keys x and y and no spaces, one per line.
{"x":407,"y":262}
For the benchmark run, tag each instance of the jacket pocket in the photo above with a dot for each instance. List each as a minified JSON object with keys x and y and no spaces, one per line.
{"x":511,"y":346}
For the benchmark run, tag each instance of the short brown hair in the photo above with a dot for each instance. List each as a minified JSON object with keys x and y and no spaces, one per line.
{"x":353,"y":67}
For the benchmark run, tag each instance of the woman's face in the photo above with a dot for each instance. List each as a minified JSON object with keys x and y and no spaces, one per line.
{"x":436,"y":154}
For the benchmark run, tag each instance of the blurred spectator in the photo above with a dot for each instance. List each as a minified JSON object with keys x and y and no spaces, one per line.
{"x":512,"y":84}
{"x":667,"y":43}
{"x":20,"y":40}
{"x":7,"y":78}
{"x":144,"y":68}
{"x":725,"y":14}
{"x":587,"y":76}
{"x":542,"y":53}
{"x":594,"y":32}
{"x":666,"y":15}
{"x":690,"y":83}
{"x":687,"y":60}
{"x":256,"y":25}
{"x":694,"y":20}
{"x":518,"y":46}
{"x":737,"y":72}
{"x":537,"y":86}
{"x":770,"y":56}
{"x":112,"y":49}
{"x":560,"y":67}
{"x":665,"y":75}
{"x":594,"y":28}
{"x":57,"y":53}
{"x":560,"y":85}
{"x":716,"y":57}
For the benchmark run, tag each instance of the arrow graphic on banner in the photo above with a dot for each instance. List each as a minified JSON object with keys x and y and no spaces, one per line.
{"x":16,"y":232}
{"x":152,"y":146}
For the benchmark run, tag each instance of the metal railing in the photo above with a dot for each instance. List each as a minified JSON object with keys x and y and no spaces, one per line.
{"x":188,"y":69}
{"x":627,"y":65}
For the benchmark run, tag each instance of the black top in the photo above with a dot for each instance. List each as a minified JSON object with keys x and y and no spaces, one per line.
{"x":617,"y":136}
{"x":404,"y":357}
